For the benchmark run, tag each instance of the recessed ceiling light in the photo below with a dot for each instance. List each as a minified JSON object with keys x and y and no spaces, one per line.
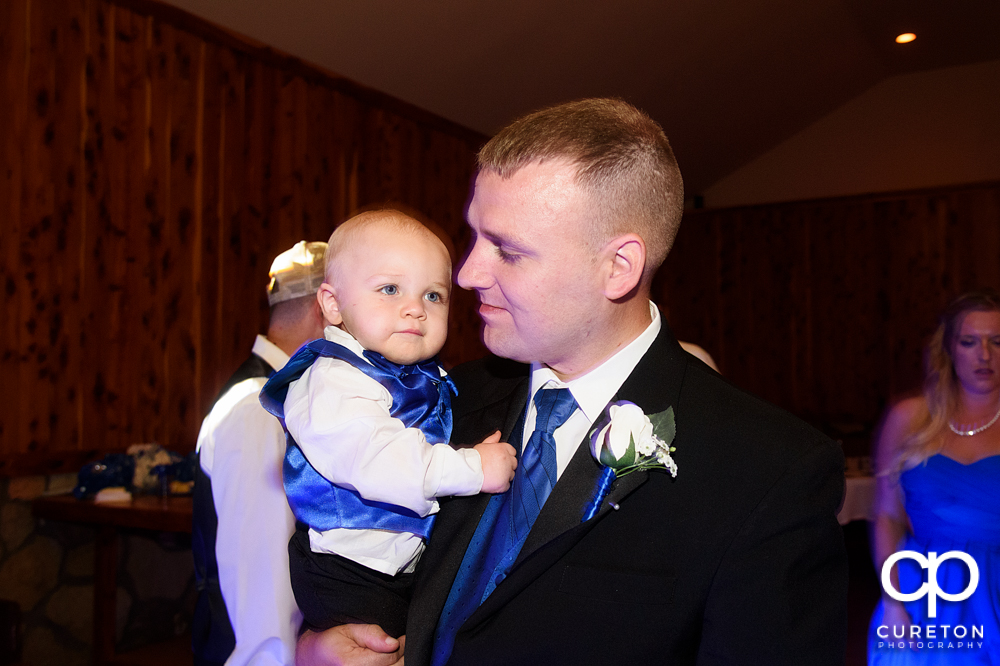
{"x":905,"y":38}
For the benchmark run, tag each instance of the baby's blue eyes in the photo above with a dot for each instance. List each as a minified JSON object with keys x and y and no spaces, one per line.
{"x":393,"y":290}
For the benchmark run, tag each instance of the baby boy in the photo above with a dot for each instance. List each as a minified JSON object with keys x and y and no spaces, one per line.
{"x":368,"y":416}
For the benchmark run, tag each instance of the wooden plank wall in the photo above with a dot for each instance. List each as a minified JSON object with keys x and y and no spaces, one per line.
{"x":823,"y":307}
{"x":152,"y":166}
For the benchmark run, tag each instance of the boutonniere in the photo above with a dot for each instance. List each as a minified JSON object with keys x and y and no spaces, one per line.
{"x":627,"y":440}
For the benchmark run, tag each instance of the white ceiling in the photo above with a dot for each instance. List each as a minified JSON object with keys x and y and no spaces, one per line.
{"x":727,"y":79}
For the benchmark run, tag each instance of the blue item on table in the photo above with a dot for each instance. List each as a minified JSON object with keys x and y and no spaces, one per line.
{"x":114,"y":469}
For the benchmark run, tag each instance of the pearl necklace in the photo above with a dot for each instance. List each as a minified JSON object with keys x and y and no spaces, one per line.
{"x":974,"y":431}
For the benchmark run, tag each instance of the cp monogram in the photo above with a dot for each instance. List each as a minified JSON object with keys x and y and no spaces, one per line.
{"x":930,"y":588}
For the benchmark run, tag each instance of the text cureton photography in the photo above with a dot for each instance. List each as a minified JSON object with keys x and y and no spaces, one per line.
{"x":927,"y":635}
{"x":930,"y":637}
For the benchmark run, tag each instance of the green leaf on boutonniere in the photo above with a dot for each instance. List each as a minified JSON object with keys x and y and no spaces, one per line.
{"x":664,"y":426}
{"x":630,"y":455}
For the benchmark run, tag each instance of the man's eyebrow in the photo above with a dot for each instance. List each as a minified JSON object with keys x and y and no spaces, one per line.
{"x":500,"y":239}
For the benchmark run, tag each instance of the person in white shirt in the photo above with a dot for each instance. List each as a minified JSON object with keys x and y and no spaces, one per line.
{"x":245,"y":612}
{"x":368,"y":416}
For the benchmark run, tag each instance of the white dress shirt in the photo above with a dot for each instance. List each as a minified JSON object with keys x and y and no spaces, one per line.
{"x":241,"y":448}
{"x":340,"y":418}
{"x":592,"y":391}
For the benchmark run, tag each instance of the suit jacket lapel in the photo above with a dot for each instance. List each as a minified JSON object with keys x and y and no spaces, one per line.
{"x":563,"y":509}
{"x":654,"y":385}
{"x":561,"y":528}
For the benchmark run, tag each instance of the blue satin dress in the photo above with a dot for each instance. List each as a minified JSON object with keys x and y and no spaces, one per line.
{"x":951,"y":507}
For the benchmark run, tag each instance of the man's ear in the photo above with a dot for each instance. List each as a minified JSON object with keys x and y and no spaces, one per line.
{"x":626,"y":259}
{"x":328,"y":304}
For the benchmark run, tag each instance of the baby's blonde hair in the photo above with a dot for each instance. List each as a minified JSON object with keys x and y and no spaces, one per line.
{"x":388,"y":218}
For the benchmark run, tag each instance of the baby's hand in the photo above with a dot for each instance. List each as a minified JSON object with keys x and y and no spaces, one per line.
{"x":499,"y":463}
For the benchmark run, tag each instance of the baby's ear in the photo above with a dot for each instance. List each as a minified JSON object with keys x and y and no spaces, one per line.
{"x":328,"y":304}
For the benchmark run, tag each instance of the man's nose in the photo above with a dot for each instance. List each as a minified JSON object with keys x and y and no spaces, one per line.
{"x":471,"y":274}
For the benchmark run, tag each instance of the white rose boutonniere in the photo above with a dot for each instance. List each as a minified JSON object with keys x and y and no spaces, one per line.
{"x":626,"y":440}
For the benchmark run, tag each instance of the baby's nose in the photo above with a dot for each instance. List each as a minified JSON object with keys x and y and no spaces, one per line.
{"x":413,"y":307}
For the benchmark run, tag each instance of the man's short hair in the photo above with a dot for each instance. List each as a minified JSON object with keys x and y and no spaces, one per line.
{"x":291,"y":312}
{"x":623,"y":160}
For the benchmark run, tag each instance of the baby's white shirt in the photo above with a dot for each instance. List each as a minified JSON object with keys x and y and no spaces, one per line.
{"x":341,"y":420}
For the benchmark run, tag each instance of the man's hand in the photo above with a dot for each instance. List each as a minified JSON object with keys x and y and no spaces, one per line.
{"x":349,"y":645}
{"x":499,"y":462}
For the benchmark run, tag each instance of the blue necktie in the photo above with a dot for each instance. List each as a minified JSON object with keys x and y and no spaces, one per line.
{"x":537,"y":472}
{"x":490,"y":556}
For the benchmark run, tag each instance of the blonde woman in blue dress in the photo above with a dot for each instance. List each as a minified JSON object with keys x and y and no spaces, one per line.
{"x":938,"y":458}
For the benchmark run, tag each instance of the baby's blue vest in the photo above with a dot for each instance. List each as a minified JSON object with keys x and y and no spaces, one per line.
{"x":421,"y":398}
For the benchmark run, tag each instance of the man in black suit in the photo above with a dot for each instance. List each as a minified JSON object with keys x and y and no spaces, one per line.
{"x":737,"y":560}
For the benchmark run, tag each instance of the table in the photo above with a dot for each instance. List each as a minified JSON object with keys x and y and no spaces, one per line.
{"x":161,"y":514}
{"x":173,"y":514}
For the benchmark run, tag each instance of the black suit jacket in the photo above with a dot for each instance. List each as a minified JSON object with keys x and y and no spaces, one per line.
{"x":739,"y":560}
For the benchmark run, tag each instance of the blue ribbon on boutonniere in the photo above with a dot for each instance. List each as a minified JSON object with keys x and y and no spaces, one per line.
{"x":626,"y":440}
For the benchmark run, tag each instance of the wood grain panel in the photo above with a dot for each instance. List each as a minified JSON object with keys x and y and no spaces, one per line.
{"x":148,"y":194}
{"x":237,"y":307}
{"x":36,"y":197}
{"x":103,"y":237}
{"x":209,"y":273}
{"x":14,"y":44}
{"x":39,"y":195}
{"x":348,"y":133}
{"x":317,"y":212}
{"x":823,"y":307}
{"x":152,"y":167}
{"x":251,"y":251}
{"x":119,"y":338}
{"x":182,"y":232}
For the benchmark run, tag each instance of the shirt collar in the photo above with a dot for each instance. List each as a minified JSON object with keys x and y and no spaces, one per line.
{"x":594,"y":390}
{"x":345,"y":339}
{"x":270,"y":352}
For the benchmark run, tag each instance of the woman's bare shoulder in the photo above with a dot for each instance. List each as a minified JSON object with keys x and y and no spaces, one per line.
{"x":901,"y":420}
{"x":908,"y":409}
